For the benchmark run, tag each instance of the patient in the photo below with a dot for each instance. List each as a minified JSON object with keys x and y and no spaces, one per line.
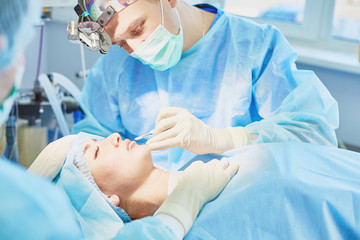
{"x":282,"y":190}
{"x":124,"y":172}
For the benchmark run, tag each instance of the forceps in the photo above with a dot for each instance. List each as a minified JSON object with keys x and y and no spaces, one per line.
{"x":145,"y":135}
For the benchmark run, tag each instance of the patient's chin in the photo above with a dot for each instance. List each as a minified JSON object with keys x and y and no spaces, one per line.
{"x":145,"y":152}
{"x":141,"y":211}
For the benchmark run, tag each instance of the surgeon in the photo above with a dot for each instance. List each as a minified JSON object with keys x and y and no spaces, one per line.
{"x":33,"y":208}
{"x":200,"y":79}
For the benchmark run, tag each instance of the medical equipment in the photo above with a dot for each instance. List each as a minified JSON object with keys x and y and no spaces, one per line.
{"x":55,"y":98}
{"x":40,"y":116}
{"x":32,"y":124}
{"x":57,"y":93}
{"x":145,"y":135}
{"x":91,"y":34}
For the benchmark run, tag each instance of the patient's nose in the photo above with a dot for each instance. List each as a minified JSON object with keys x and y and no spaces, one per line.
{"x":113,"y":139}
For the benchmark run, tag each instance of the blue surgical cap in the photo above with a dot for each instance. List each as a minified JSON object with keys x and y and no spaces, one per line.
{"x":17,"y":20}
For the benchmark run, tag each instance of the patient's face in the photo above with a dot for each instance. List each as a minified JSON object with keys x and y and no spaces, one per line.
{"x":118,"y":166}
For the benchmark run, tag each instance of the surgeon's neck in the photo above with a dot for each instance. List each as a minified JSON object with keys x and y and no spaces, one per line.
{"x":149,"y":196}
{"x":194,"y":22}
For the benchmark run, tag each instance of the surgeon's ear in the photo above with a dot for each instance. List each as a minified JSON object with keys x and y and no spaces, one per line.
{"x":115,"y":200}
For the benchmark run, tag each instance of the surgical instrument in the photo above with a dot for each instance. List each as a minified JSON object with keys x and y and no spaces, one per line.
{"x":145,"y":135}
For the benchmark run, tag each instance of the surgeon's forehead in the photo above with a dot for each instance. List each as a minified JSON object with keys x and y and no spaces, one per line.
{"x":139,"y":9}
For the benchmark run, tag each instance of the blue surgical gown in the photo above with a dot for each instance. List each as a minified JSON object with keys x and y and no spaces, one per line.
{"x":33,"y":208}
{"x":239,"y":74}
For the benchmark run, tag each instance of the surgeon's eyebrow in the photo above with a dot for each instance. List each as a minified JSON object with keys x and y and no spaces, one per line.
{"x":134,"y":25}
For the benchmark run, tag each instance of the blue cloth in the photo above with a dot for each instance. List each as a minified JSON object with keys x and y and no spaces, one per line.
{"x":286,"y":191}
{"x":147,"y":228}
{"x":33,"y":208}
{"x":17,"y":20}
{"x":239,"y":74}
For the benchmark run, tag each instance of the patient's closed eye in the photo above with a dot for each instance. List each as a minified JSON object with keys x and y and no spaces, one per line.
{"x":96,"y":152}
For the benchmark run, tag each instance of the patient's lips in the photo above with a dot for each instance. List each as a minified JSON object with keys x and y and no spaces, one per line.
{"x":129,"y":144}
{"x":132,"y":144}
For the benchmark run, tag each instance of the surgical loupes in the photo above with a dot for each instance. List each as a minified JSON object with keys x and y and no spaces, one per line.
{"x":88,"y":32}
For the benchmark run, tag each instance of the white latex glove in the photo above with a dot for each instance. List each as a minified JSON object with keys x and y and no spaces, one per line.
{"x":177,"y":127}
{"x":197,"y":185}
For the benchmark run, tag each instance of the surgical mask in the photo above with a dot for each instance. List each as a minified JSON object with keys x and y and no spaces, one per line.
{"x":7,"y":104}
{"x":161,"y":50}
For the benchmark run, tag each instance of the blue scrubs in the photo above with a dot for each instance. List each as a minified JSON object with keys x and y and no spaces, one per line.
{"x":32,"y":208}
{"x":239,"y":74}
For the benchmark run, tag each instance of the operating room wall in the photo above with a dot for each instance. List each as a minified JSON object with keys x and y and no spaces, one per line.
{"x":61,"y":56}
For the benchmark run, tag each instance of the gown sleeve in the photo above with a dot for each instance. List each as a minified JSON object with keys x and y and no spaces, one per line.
{"x":293,"y":104}
{"x":99,"y":99}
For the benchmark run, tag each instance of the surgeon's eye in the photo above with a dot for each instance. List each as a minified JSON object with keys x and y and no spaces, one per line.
{"x":138,"y":30}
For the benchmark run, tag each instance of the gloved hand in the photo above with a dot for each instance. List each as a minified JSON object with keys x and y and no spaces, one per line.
{"x":177,"y":127}
{"x":197,"y":185}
